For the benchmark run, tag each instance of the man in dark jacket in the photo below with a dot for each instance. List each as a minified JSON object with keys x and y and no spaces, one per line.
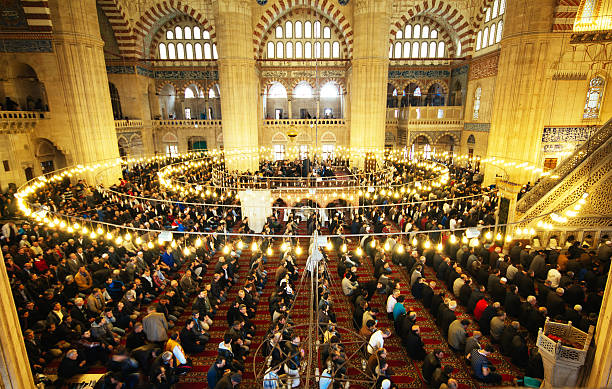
{"x":431,"y":363}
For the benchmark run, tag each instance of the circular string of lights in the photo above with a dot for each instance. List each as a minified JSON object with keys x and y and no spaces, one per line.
{"x":125,"y":233}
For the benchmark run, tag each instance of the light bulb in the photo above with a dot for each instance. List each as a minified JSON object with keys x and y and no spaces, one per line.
{"x":150,"y":245}
{"x":138,"y":240}
{"x":109,"y":236}
{"x":439,"y":247}
{"x":427,"y":244}
{"x":76,"y":226}
{"x":269,"y":251}
{"x":464,"y":239}
{"x":128,"y":236}
{"x":414,"y":241}
{"x":498,"y":236}
{"x":359,"y":252}
{"x":173,"y":244}
{"x":329,"y":246}
{"x":298,"y":250}
{"x":99,"y":230}
{"x":226,"y":249}
{"x":387,"y":246}
{"x":488,"y":235}
{"x":254,"y":246}
{"x":508,"y":238}
{"x":344,"y":248}
{"x":453,"y":239}
{"x":373,"y":243}
{"x":240,"y":245}
{"x":93,"y":235}
{"x":186,"y":251}
{"x":284,"y":247}
{"x":198,"y":242}
{"x":119,"y":239}
{"x":70,"y":230}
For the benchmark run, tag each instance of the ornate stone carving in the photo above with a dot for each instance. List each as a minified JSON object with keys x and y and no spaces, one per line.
{"x":484,"y":67}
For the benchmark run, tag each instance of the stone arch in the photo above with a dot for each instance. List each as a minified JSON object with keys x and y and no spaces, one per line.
{"x":418,"y":83}
{"x":337,"y":81}
{"x":480,"y":15}
{"x":279,"y":137}
{"x":267,"y":83}
{"x":326,"y":7}
{"x":162,"y":84}
{"x":415,"y":136}
{"x":458,"y":24}
{"x":303,"y":138}
{"x":170,"y":137}
{"x":443,"y":32}
{"x":328,"y":137}
{"x":442,"y":135}
{"x":159,"y":34}
{"x":158,"y":15}
{"x":471,"y":140}
{"x":121,"y":28}
{"x":438,"y":81}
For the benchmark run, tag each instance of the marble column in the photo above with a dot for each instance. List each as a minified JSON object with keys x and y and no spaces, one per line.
{"x":523,"y":92}
{"x":81,"y":67}
{"x":14,"y":365}
{"x":290,"y":113}
{"x":370,"y":68}
{"x":238,"y":82}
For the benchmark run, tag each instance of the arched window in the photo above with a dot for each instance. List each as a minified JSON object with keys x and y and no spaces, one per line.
{"x":441,"y":50}
{"x":329,"y":90}
{"x":417,"y":92}
{"x":434,"y":34}
{"x":432,"y":49}
{"x":406,"y":49}
{"x":189,"y":93}
{"x":593,"y":98}
{"x":215,"y":54}
{"x":308,"y":30}
{"x":327,"y":33}
{"x":189,"y":50}
{"x":207,"y":54}
{"x":212,"y":94}
{"x":308,"y":50}
{"x":478,"y":40}
{"x":502,"y":7}
{"x":458,"y":48}
{"x":390,"y":51}
{"x":423,"y":50}
{"x":477,"y":96}
{"x":289,"y":50}
{"x":425,"y":32}
{"x":270,"y":49}
{"x":279,"y":32}
{"x":298,"y":30}
{"x":488,"y":15}
{"x":162,"y":51}
{"x":303,"y":90}
{"x":336,"y":50}
{"x":288,"y":29}
{"x":198,"y":51}
{"x":408,"y":31}
{"x":169,"y":34}
{"x":115,"y":101}
{"x":180,"y":51}
{"x":415,"y":49}
{"x":178,"y":32}
{"x":197,"y":33}
{"x":317,"y":30}
{"x":187,"y":32}
{"x":399,"y":34}
{"x":171,"y":51}
{"x":317,"y":49}
{"x":485,"y":37}
{"x":417,"y":31}
{"x":326,"y":50}
{"x":277,"y":91}
{"x":279,"y":50}
{"x":298,"y":49}
{"x":495,"y":8}
{"x":492,"y":35}
{"x":500,"y":28}
{"x":398,"y":50}
{"x":471,"y":140}
{"x":206,"y":34}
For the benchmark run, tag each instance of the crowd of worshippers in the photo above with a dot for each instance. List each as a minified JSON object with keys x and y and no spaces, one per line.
{"x":91,"y":302}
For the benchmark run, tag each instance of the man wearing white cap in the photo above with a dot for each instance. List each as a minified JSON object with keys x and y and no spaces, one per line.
{"x":554,"y":276}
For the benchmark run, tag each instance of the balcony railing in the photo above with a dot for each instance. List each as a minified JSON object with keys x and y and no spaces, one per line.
{"x":439,"y":115}
{"x":12,"y":122}
{"x":304,"y":122}
{"x":130,"y":124}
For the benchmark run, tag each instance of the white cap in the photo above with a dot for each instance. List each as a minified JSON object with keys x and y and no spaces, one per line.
{"x":105,"y":255}
{"x":578,"y":307}
{"x":386,"y":384}
{"x":503,"y":280}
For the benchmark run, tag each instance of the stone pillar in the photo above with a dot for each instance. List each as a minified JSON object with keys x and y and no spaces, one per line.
{"x":290,"y":113}
{"x":14,"y":365}
{"x":81,"y":67}
{"x":370,"y":69}
{"x":238,"y":82}
{"x":522,"y":88}
{"x":601,"y":367}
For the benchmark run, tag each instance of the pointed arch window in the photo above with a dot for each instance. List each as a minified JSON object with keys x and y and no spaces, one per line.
{"x":336,"y":50}
{"x":169,"y":34}
{"x":408,"y":31}
{"x":485,"y":37}
{"x":308,"y":30}
{"x":279,"y":50}
{"x":500,"y":28}
{"x":492,"y":35}
{"x":171,"y":51}
{"x":189,"y":50}
{"x":279,"y":32}
{"x":502,"y":7}
{"x":180,"y":51}
{"x":399,"y":34}
{"x":495,"y":9}
{"x":317,"y":49}
{"x":477,"y":96}
{"x":178,"y":32}
{"x":298,"y":29}
{"x":270,"y":49}
{"x":162,"y":51}
{"x":434,"y":34}
{"x":415,"y":49}
{"x":432,"y":49}
{"x":207,"y":54}
{"x":308,"y":50}
{"x":425,"y":32}
{"x":423,"y":49}
{"x":298,"y":49}
{"x":594,"y":96}
{"x":441,"y":50}
{"x":289,"y":50}
{"x":288,"y":29}
{"x":327,"y":33}
{"x":398,"y":50}
{"x":417,"y":31}
{"x":187,"y":32}
{"x":206,"y":34}
{"x":406,"y":49}
{"x":197,"y":33}
{"x":198,"y":51}
{"x":215,"y":54}
{"x":488,"y":15}
{"x":317,"y":30}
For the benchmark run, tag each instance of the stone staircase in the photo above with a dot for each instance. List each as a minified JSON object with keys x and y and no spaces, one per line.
{"x":588,"y":169}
